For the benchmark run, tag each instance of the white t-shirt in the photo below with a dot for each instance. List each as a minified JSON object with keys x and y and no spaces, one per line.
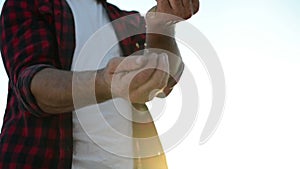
{"x":99,"y":131}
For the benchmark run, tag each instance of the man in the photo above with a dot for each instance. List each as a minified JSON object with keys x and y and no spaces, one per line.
{"x":38,"y":44}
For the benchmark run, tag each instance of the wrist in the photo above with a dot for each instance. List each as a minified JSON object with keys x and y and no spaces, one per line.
{"x":102,"y":86}
{"x":159,"y":23}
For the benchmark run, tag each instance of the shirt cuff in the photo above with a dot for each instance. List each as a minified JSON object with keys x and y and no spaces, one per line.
{"x":23,"y":89}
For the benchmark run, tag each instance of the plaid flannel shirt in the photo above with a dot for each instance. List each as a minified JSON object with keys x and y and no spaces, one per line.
{"x":36,"y":34}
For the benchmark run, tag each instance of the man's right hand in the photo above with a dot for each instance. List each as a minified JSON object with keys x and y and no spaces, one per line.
{"x":136,"y":78}
{"x":133,"y":78}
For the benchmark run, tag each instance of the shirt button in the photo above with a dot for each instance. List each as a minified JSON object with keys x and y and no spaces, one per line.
{"x":137,"y":45}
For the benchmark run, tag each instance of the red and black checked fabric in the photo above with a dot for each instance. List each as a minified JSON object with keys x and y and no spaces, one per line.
{"x":36,"y":34}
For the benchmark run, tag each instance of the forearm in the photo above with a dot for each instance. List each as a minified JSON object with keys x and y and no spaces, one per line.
{"x":161,"y":19}
{"x":161,"y":35}
{"x":162,"y":43}
{"x":55,"y":89}
{"x":163,"y":40}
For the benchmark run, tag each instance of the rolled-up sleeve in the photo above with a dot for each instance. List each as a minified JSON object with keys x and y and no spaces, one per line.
{"x":27,"y":45}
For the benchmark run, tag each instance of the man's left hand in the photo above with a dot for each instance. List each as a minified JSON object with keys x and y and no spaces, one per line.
{"x":180,"y":8}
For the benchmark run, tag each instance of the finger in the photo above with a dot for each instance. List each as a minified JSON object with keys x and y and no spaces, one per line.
{"x":188,"y":9}
{"x":165,"y":93}
{"x":188,"y":6}
{"x":167,"y":90}
{"x":159,"y":78}
{"x":172,"y":81}
{"x":162,"y":72}
{"x":176,"y":4}
{"x":163,"y":6}
{"x":131,"y":63}
{"x":141,"y":76}
{"x":163,"y":65}
{"x":162,"y":94}
{"x":127,"y":64}
{"x":196,"y":5}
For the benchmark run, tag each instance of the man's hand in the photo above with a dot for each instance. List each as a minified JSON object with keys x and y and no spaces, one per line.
{"x":180,"y":8}
{"x":169,"y":12}
{"x":137,"y":78}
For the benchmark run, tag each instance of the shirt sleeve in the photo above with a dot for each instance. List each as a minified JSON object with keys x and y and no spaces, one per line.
{"x":27,"y":45}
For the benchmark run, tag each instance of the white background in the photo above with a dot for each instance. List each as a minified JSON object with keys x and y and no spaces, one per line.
{"x":258,"y":45}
